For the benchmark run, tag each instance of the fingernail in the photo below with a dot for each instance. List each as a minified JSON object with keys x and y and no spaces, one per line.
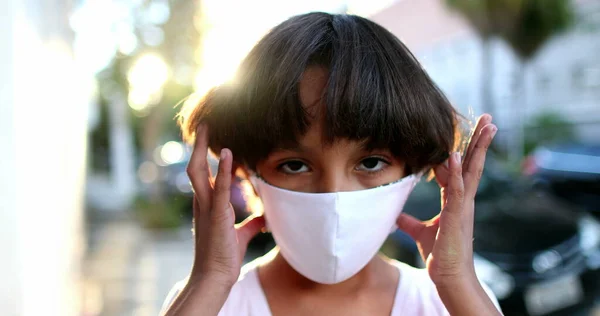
{"x":445,"y":163}
{"x":223,"y":154}
{"x":494,"y":131}
{"x":457,"y":157}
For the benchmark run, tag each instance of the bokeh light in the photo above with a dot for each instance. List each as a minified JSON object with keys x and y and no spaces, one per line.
{"x":148,"y":172}
{"x":146,"y":78}
{"x":172,"y":152}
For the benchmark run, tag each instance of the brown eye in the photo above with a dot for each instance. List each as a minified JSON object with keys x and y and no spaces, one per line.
{"x":372,"y":164}
{"x":293,"y":167}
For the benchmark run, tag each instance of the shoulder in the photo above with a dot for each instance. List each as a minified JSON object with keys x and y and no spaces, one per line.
{"x":417,"y":293}
{"x":173,"y":293}
{"x":242,"y":293}
{"x":246,"y":296}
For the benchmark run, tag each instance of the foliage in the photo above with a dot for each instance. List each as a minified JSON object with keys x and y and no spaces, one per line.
{"x":168,"y":213}
{"x":548,"y":128}
{"x":166,"y":30}
{"x":99,"y":139}
{"x":538,"y":21}
{"x":524,"y":24}
{"x":488,"y":17}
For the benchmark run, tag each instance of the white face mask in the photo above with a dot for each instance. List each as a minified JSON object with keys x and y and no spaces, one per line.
{"x":329,"y":237}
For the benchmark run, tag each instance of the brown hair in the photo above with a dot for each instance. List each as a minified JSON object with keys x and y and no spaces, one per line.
{"x":376,"y":92}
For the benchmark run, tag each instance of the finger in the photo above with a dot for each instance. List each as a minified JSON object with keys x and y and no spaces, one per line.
{"x":455,"y":189}
{"x":196,"y":219}
{"x":410,"y":225}
{"x":474,"y":170}
{"x":443,"y":197}
{"x":222,"y":191}
{"x":441,"y":172}
{"x":247,"y":229}
{"x":483,"y":120}
{"x":197,"y":168}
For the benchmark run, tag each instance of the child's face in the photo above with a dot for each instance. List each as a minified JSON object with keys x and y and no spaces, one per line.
{"x":316,"y":167}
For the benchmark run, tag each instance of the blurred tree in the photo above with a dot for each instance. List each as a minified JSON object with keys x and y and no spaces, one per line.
{"x":537,"y":22}
{"x":547,"y":128}
{"x":165,"y":30}
{"x":489,"y":18}
{"x":99,"y":158}
{"x":180,"y":42}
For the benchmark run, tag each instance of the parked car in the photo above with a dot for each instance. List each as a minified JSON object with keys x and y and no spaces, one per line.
{"x":571,"y":171}
{"x":538,"y":254}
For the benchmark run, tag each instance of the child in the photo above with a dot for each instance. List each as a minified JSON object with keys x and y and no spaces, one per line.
{"x":333,"y":121}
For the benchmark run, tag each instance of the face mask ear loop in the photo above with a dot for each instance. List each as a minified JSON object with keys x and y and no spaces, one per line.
{"x":417,"y":179}
{"x":254,"y":178}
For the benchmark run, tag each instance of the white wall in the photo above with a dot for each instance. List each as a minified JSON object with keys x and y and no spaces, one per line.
{"x":551,"y":83}
{"x":452,"y":54}
{"x":43,"y":135}
{"x":10,"y":274}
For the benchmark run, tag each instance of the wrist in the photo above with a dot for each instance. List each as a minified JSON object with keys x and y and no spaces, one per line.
{"x":214,"y":281}
{"x":465,"y":282}
{"x":466,"y":296}
{"x":221,"y":278}
{"x":200,"y":295}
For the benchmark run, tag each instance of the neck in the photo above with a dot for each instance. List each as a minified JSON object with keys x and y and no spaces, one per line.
{"x":377,"y":272}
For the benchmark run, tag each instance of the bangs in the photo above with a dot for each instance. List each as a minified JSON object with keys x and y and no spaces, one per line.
{"x":376,"y":92}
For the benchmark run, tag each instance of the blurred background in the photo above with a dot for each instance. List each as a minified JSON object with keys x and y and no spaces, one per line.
{"x":95,"y":205}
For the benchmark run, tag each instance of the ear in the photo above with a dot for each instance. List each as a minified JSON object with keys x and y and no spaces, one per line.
{"x":236,"y":171}
{"x":239,"y":170}
{"x":244,"y":173}
{"x":253,"y":202}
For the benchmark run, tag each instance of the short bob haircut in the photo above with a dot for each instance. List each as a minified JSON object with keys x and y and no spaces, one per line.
{"x":377,"y":92}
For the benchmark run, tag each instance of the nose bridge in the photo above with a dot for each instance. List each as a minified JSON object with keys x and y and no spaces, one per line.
{"x":333,"y":169}
{"x":333,"y":179}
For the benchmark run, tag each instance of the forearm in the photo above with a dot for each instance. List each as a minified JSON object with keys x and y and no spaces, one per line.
{"x":199,"y":298}
{"x":467,"y":299}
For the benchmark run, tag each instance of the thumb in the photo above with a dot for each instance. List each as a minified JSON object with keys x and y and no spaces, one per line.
{"x":410,"y":225}
{"x":247,"y":229}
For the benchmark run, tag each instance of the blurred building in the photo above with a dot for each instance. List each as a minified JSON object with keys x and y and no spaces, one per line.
{"x":43,"y":118}
{"x":564,"y":77}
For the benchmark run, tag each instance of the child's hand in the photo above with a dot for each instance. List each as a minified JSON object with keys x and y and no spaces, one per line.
{"x":446,"y":241}
{"x":219,"y":245}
